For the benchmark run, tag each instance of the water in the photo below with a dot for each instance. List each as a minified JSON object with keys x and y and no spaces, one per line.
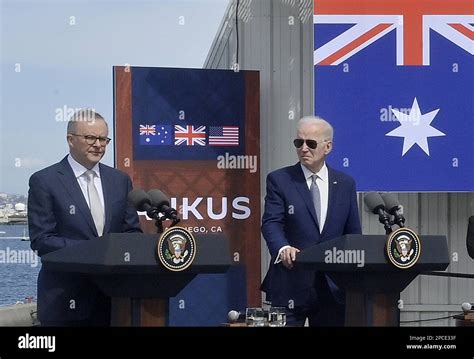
{"x":18,"y":268}
{"x":276,"y":317}
{"x":255,"y":317}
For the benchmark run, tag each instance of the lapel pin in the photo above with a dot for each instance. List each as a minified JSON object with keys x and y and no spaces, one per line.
{"x":335,"y":182}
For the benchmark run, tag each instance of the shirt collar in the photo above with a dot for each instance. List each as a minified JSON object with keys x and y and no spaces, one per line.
{"x":322,"y":173}
{"x":79,"y":169}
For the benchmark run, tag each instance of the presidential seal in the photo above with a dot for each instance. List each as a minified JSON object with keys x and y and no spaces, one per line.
{"x":176,"y":249}
{"x":403,"y":248}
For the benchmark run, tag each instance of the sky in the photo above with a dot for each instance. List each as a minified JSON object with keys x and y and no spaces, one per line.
{"x":57,"y":56}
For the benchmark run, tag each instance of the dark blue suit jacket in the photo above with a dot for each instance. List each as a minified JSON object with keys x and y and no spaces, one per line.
{"x":58,"y":217}
{"x":290,"y":219}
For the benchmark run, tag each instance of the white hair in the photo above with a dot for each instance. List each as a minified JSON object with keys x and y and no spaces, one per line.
{"x":328,"y":130}
{"x":83,"y":115}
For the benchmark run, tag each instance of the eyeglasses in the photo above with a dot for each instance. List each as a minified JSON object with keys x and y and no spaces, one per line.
{"x":90,"y":140}
{"x":298,"y":142}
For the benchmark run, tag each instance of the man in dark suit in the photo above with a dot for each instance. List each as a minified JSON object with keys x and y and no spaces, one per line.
{"x":306,"y":204}
{"x":72,"y":201}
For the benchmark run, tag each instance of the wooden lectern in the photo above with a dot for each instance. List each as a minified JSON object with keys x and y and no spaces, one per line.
{"x":372,"y":289}
{"x":125,"y":267}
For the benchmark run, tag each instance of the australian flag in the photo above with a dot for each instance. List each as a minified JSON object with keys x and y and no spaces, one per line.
{"x":155,"y":135}
{"x":395,"y":79}
{"x":174,"y":109}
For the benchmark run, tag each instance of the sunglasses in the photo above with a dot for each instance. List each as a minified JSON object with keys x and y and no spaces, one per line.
{"x":298,"y":142}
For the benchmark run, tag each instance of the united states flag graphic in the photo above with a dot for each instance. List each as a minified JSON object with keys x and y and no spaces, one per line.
{"x":224,"y":136}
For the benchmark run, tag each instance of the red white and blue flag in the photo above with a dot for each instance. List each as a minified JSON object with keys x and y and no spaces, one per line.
{"x":147,"y":130}
{"x":189,"y":135}
{"x":395,"y":79}
{"x":156,"y":135}
{"x":411,"y":20}
{"x":224,"y":136}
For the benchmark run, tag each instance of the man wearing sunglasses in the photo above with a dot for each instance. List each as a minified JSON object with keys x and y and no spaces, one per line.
{"x":306,"y":204}
{"x":72,"y":201}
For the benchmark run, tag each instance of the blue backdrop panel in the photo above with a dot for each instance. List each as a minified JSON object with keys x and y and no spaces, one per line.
{"x":207,"y":300}
{"x":182,"y":120}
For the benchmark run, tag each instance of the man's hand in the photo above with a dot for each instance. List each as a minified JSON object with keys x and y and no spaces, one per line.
{"x":288,"y":256}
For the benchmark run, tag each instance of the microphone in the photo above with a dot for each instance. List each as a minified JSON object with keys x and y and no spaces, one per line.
{"x":162,"y":204}
{"x":376,"y":205}
{"x":393,"y":207}
{"x":139,"y":199}
{"x":470,"y":237}
{"x":466,"y":307}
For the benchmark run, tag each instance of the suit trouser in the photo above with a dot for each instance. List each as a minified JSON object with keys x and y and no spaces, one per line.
{"x":98,"y":317}
{"x":322,"y":311}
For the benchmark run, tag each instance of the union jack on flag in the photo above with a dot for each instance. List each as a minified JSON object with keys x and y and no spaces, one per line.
{"x":147,"y":130}
{"x":189,"y":135}
{"x":412,"y":20}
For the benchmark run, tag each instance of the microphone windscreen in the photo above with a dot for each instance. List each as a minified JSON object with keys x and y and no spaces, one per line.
{"x":470,"y":227}
{"x":138,"y":198}
{"x":158,"y":198}
{"x":470,"y":237}
{"x":391,"y":202}
{"x":374,"y":201}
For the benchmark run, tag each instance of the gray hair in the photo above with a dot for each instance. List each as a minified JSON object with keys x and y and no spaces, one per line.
{"x":328,"y":130}
{"x":83,"y":115}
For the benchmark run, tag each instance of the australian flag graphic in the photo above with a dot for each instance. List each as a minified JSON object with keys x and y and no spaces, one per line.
{"x":395,"y":78}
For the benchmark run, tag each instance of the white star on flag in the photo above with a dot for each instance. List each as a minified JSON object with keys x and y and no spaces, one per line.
{"x":415,"y":128}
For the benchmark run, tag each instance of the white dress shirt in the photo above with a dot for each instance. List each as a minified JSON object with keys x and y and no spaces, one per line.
{"x":79,"y":170}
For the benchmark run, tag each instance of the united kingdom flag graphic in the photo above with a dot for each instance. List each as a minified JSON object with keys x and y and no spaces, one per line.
{"x":412,"y":21}
{"x":189,"y":135}
{"x":147,"y":130}
{"x":395,"y":79}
